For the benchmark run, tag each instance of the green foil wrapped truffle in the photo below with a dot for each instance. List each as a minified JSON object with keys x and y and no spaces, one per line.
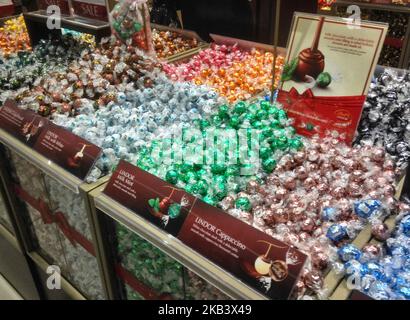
{"x":221,"y":154}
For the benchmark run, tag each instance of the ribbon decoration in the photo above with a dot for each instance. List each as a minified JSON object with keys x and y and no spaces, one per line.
{"x":77,"y":238}
{"x":138,"y":286}
{"x":317,"y":115}
{"x":58,"y":217}
{"x":288,"y":99}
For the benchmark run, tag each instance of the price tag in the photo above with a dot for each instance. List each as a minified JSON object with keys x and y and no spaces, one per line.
{"x":24,"y":125}
{"x":69,"y":151}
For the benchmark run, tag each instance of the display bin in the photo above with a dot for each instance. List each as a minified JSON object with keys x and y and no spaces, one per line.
{"x":185,"y":34}
{"x":37,"y":28}
{"x":15,"y":265}
{"x":132,"y":242}
{"x":53,"y":211}
{"x":244,"y":45}
{"x":143,"y":262}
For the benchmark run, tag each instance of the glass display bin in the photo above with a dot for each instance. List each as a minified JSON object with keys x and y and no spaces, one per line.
{"x":148,"y":273}
{"x":142,"y":262}
{"x":55,"y":219}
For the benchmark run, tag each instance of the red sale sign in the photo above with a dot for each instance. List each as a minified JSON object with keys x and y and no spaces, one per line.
{"x":93,"y":9}
{"x":6,"y":8}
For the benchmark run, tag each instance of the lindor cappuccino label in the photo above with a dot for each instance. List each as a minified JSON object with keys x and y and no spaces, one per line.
{"x":264,"y":263}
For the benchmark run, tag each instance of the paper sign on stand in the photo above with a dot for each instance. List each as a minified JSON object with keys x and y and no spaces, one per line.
{"x":327,"y":74}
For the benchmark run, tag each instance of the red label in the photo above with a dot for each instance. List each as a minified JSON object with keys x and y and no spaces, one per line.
{"x":264,"y":263}
{"x":394,"y":42}
{"x":357,"y":295}
{"x":6,"y":10}
{"x":24,"y":125}
{"x":91,"y":10}
{"x":316,"y":115}
{"x":69,"y":151}
{"x":62,"y":4}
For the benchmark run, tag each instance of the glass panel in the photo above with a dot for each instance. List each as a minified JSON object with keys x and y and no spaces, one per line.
{"x":151,"y":274}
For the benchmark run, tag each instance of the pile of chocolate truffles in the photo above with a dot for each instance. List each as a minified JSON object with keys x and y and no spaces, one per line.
{"x":168,"y":43}
{"x":22,"y":69}
{"x":233,"y":72}
{"x":382,"y":267}
{"x":14,"y":37}
{"x":385,"y":119}
{"x":95,"y":77}
{"x":312,"y":201}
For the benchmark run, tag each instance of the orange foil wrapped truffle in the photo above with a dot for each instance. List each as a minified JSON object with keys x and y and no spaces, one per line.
{"x":14,"y":36}
{"x":243,"y":79}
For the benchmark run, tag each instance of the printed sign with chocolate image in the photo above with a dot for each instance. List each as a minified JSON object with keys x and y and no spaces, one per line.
{"x":32,"y":128}
{"x":157,"y":201}
{"x":327,"y":72}
{"x":266,"y":264}
{"x":24,"y":125}
{"x":69,"y":151}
